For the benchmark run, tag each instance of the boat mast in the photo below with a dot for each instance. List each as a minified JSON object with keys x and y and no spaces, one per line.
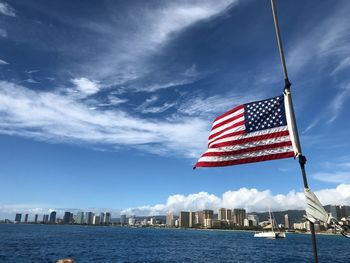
{"x":271,"y":220}
{"x":294,"y":130}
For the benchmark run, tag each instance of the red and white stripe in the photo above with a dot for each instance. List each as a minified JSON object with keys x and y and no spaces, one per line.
{"x":229,"y":144}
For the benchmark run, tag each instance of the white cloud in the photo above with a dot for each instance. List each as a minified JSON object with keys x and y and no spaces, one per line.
{"x":252,"y":200}
{"x":112,"y":101}
{"x":179,"y":15}
{"x":3,"y":62}
{"x":333,"y":177}
{"x":198,"y":106}
{"x":342,"y":65}
{"x":30,"y":80}
{"x":337,"y":103}
{"x":125,"y":54}
{"x":316,"y":44}
{"x":3,"y":33}
{"x":86,"y":86}
{"x":333,"y":172}
{"x":7,"y":10}
{"x":147,"y":108}
{"x":55,"y":117}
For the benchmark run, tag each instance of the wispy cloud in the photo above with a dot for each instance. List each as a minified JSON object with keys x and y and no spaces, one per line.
{"x":148,"y":106}
{"x":3,"y":33}
{"x":31,"y":80}
{"x":334,"y":172}
{"x":337,"y":103}
{"x":204,"y":106}
{"x":318,"y":44}
{"x":123,"y":59}
{"x":7,"y":10}
{"x":251,"y":199}
{"x":3,"y":62}
{"x":57,"y":117}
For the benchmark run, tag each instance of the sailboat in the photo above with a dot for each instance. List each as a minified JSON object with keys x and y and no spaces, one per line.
{"x":270,"y":234}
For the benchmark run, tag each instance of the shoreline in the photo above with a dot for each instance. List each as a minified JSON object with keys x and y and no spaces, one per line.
{"x":170,"y":228}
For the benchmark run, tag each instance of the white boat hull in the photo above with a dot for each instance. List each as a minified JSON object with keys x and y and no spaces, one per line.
{"x":272,"y":235}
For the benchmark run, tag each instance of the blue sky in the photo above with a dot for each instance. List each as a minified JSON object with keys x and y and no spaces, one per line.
{"x":108,"y":105}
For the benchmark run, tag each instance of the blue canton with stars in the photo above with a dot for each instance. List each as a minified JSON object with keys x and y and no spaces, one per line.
{"x":264,"y":114}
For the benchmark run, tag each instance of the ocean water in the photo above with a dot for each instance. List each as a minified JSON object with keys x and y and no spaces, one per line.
{"x":48,"y":243}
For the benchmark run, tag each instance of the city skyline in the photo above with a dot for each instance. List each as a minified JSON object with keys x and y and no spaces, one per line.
{"x":118,"y":123}
{"x":225,"y":218}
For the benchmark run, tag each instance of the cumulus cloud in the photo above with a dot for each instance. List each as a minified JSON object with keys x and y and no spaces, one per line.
{"x":86,"y":86}
{"x":252,"y":200}
{"x":7,"y":10}
{"x":60,"y":118}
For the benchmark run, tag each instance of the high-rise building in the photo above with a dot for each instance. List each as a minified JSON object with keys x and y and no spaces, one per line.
{"x":228,"y":214}
{"x":337,"y":211}
{"x":238,"y":216}
{"x":108,"y":218}
{"x":53,"y":217}
{"x":222,"y":214}
{"x":132,"y":220}
{"x":45,"y":219}
{"x":170,"y":219}
{"x":123,"y":220}
{"x":102,"y":218}
{"x":80,"y":218}
{"x":286,"y":221}
{"x":36,"y":218}
{"x":184,"y":219}
{"x":96,"y":220}
{"x":208,"y":214}
{"x":152,"y":221}
{"x":18,"y":218}
{"x":199,"y":218}
{"x":67,"y":218}
{"x":88,"y":218}
{"x":341,"y":212}
{"x":26,"y":218}
{"x":192,"y":219}
{"x":253,"y":220}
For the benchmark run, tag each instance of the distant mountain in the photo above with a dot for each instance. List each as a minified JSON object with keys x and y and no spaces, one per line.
{"x":294,"y":216}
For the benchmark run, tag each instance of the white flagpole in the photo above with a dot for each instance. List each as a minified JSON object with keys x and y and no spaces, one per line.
{"x":291,"y":119}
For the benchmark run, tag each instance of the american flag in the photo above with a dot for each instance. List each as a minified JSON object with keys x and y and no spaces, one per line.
{"x":251,"y":132}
